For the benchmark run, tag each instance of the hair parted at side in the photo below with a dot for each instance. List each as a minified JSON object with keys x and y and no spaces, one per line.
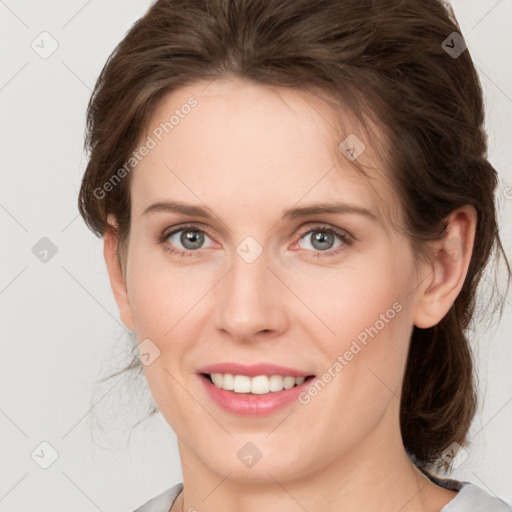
{"x":380,"y":58}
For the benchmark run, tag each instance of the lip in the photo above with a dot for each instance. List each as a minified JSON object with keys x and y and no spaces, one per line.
{"x":248,"y":404}
{"x":253,"y":370}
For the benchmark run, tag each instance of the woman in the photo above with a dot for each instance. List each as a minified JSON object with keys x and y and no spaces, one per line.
{"x":297,"y":208}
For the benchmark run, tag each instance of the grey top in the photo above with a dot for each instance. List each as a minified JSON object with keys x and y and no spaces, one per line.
{"x":470,"y":498}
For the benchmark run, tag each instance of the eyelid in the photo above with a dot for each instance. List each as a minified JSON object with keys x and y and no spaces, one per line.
{"x":195,"y":226}
{"x":318,"y":226}
{"x":203,"y":227}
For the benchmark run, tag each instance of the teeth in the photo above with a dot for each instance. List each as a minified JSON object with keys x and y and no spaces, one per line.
{"x":259,"y":385}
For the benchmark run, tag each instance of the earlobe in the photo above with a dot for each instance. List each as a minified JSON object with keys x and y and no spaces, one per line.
{"x":116,"y":278}
{"x":445,"y":275}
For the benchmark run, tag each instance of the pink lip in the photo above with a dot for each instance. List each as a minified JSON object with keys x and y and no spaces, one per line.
{"x":248,"y":404}
{"x":253,"y":370}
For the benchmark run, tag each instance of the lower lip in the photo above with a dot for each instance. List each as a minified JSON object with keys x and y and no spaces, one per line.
{"x":249,"y":404}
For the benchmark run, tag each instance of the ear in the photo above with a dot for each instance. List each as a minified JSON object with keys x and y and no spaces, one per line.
{"x":115,"y":275}
{"x":447,"y":270}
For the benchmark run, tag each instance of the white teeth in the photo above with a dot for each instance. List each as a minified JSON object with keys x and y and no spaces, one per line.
{"x":228,"y":382}
{"x":260,"y":385}
{"x":276,"y":383}
{"x":217,"y":379}
{"x":288,"y":382}
{"x":241,"y":384}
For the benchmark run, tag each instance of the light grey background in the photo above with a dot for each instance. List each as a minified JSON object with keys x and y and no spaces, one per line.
{"x":60,"y":324}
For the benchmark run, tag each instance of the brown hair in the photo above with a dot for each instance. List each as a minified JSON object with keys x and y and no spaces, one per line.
{"x":383,"y":58}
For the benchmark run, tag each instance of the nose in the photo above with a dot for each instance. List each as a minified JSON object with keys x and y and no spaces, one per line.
{"x":251,"y":301}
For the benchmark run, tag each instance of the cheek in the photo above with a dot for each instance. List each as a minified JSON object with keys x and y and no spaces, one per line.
{"x":165,"y":306}
{"x":162,"y":295}
{"x":349,"y":300}
{"x":363,"y":370}
{"x":365,"y":325}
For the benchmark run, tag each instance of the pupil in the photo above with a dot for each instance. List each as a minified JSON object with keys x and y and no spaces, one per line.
{"x":191,"y":239}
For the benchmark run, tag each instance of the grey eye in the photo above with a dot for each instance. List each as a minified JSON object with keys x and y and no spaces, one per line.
{"x":321,"y":240}
{"x":190,"y":239}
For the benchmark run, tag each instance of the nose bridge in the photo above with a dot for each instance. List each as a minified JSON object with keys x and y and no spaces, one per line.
{"x":247,"y":301}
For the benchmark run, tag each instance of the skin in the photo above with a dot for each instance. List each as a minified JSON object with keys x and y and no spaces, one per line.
{"x":248,"y":152}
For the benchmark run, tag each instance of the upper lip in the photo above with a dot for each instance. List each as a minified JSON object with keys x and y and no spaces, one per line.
{"x":253,"y":370}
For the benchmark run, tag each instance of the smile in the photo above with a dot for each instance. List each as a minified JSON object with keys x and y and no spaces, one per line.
{"x":257,"y":396}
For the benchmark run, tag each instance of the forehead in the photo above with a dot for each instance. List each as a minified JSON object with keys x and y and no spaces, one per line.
{"x":234,"y":140}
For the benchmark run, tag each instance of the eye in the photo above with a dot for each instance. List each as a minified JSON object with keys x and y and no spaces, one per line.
{"x":322,"y":239}
{"x":187,"y":239}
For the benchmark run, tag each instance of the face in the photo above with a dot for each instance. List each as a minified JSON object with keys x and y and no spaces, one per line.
{"x":328,"y":294}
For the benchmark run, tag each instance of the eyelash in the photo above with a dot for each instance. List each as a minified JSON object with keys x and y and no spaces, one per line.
{"x":343,"y":235}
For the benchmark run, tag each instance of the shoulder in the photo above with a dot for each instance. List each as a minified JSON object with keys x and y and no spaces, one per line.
{"x":162,"y":502}
{"x":472,"y":498}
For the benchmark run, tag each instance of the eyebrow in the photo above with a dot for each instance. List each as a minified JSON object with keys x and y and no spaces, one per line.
{"x":292,"y":213}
